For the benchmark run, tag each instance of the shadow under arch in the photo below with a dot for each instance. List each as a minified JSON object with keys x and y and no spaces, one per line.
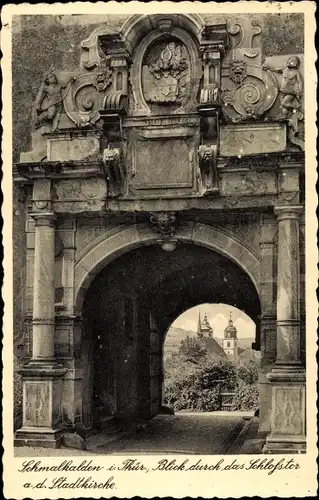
{"x":109,"y":247}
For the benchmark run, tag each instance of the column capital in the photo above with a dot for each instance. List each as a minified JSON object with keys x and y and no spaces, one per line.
{"x":44,"y":219}
{"x":288,"y":211}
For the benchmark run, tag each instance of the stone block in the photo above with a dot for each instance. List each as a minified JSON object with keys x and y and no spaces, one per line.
{"x":242,"y":140}
{"x":249,"y":183}
{"x":154,"y":163}
{"x":73,"y":148}
{"x":288,"y":416}
{"x":42,"y":416}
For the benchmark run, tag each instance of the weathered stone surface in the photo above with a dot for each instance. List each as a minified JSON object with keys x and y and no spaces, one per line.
{"x":75,"y":148}
{"x":241,"y":140}
{"x":155,"y":165}
{"x":80,"y":195}
{"x":248,"y":183}
{"x":73,"y":440}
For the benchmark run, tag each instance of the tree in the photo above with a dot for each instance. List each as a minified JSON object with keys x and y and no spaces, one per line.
{"x":192,"y":349}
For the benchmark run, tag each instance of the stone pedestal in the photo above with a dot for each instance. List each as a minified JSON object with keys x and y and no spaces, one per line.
{"x":42,"y":377}
{"x":288,"y":416}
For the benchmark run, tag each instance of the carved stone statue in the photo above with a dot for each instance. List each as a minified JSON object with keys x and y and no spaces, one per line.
{"x":291,"y":88}
{"x":114,"y":169}
{"x":208,"y":167}
{"x":48,"y":103}
{"x":291,"y":93}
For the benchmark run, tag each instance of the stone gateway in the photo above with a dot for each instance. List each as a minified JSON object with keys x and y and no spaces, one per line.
{"x":165,"y":169}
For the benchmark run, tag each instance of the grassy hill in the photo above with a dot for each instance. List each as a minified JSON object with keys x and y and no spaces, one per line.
{"x":173,"y":339}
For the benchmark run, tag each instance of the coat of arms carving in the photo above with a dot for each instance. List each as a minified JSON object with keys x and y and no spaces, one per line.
{"x":166,"y":74}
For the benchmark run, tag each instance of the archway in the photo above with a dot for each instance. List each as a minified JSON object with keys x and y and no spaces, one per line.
{"x":129,"y":306}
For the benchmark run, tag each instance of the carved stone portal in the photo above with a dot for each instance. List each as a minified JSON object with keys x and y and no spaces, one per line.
{"x":166,"y":73}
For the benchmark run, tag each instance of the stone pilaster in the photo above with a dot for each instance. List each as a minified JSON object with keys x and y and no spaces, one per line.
{"x":268,"y":334}
{"x":42,"y":382}
{"x":288,"y":417}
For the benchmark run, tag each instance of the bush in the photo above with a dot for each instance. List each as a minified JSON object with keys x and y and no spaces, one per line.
{"x":246,"y":397}
{"x":196,"y":386}
{"x":248,"y":372}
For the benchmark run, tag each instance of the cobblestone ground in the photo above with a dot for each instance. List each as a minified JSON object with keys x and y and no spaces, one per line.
{"x":198,"y":434}
{"x":201,"y":434}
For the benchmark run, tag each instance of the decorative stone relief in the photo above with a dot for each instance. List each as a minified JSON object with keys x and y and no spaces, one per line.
{"x":248,"y":183}
{"x":102,"y":79}
{"x":252,"y":97}
{"x":212,"y":47}
{"x":238,"y":71}
{"x":37,"y":404}
{"x":41,"y":197}
{"x":166,"y":73}
{"x":80,"y":189}
{"x":114,"y":169}
{"x":247,"y":29}
{"x":208,"y":167}
{"x":49,"y":102}
{"x":241,"y":140}
{"x":85,"y":97}
{"x":164,"y":225}
{"x":291,"y":99}
{"x":288,"y":415}
{"x":248,"y":90}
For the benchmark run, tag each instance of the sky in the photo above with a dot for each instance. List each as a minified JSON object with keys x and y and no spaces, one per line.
{"x":218,"y":316}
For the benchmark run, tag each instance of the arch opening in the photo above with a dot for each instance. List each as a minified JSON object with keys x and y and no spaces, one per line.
{"x":209,"y":363}
{"x":127,"y":311}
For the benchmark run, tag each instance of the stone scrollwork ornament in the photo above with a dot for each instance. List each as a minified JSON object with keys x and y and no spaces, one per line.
{"x":86,"y":95}
{"x":247,"y":29}
{"x":248,"y":90}
{"x":251,"y":91}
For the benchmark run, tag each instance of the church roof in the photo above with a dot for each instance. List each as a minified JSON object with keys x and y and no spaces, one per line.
{"x":213,"y":346}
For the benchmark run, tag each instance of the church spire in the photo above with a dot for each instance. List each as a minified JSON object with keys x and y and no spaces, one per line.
{"x":199,"y":327}
{"x":230,"y":322}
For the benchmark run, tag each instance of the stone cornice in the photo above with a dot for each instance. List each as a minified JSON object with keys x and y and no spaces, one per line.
{"x":58,"y":170}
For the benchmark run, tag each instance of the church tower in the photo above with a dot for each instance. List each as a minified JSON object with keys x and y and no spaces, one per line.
{"x":204,"y":330}
{"x":230,"y":341}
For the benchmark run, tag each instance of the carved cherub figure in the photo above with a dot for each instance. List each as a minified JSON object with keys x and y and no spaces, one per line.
{"x":48,"y":100}
{"x":291,"y":88}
